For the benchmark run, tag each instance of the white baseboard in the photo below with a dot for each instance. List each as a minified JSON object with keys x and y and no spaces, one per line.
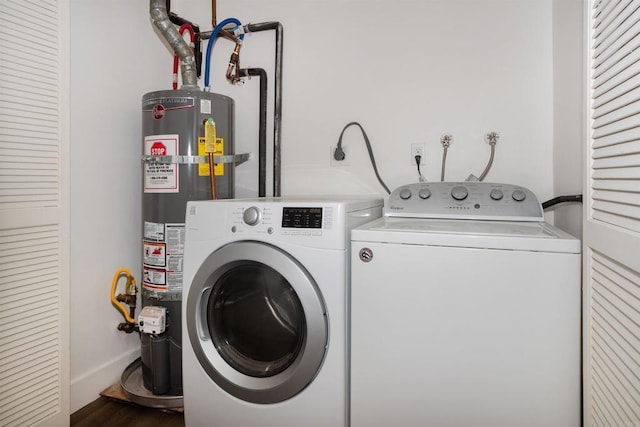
{"x":87,"y":387}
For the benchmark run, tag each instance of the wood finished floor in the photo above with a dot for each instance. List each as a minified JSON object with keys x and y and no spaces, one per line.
{"x":105,"y":412}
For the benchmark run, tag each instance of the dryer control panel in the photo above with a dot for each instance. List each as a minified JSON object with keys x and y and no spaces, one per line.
{"x":464,"y":200}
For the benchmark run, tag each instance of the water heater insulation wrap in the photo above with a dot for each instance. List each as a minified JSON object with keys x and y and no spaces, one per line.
{"x":172,"y":123}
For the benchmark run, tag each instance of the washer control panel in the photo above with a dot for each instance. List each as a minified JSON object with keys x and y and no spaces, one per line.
{"x":464,"y":200}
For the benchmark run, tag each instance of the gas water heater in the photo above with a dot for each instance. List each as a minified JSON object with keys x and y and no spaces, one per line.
{"x":175,"y":170}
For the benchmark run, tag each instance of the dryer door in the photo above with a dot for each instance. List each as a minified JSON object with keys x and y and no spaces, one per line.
{"x":257,"y":322}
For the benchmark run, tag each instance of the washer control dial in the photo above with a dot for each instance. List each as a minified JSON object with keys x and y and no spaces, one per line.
{"x":251,"y":216}
{"x":459,"y":192}
{"x":405,"y":194}
{"x":496,"y":194}
{"x":424,"y":193}
{"x":519,"y":195}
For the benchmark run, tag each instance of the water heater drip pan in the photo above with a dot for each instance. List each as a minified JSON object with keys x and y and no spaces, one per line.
{"x":135,"y":391}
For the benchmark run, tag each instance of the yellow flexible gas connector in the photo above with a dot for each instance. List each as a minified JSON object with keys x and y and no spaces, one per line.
{"x":130,"y":290}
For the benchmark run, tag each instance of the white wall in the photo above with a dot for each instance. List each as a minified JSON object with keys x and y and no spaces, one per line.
{"x":115,"y":58}
{"x":408,"y":70}
{"x":568,"y":39}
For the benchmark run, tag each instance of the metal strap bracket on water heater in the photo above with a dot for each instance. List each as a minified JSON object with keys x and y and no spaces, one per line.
{"x":236,"y":159}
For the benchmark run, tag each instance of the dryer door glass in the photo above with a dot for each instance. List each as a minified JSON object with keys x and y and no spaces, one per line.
{"x":256,"y":320}
{"x":257,"y":323}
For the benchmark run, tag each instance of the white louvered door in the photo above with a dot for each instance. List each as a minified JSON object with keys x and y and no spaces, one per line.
{"x":612,"y":217}
{"x":34,"y":213}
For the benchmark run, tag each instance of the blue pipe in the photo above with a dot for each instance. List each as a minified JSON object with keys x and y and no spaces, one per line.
{"x":212,"y":40}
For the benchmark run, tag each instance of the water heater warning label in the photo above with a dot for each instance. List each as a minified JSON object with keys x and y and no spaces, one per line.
{"x":161,"y":177}
{"x":218,"y":150}
{"x":155,"y":278}
{"x":163,"y":253}
{"x":154,"y":254}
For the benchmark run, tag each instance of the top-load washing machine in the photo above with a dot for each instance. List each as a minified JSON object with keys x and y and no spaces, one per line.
{"x":265,"y":310}
{"x":465,"y":312}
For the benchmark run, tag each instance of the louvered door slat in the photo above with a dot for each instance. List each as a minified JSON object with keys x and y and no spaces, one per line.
{"x":627,"y":105}
{"x":616,"y":391}
{"x":606,"y":68}
{"x":29,"y":95}
{"x":8,"y":109}
{"x":617,"y":32}
{"x":40,"y":65}
{"x":39,"y":411}
{"x":26,"y":377}
{"x":34,"y":156}
{"x":628,"y":122}
{"x":15,"y":81}
{"x":34,"y":19}
{"x":629,"y":160}
{"x":610,"y":59}
{"x":619,"y":47}
{"x":629,"y":135}
{"x":621,"y":302}
{"x":618,"y":80}
{"x":20,"y":69}
{"x":12,"y":33}
{"x":607,"y":404}
{"x":604,"y":15}
{"x":33,"y":130}
{"x":617,"y":96}
{"x":15,"y":283}
{"x":611,"y":196}
{"x":44,"y":346}
{"x":33,"y":253}
{"x":617,"y":173}
{"x":622,"y":211}
{"x":614,"y":343}
{"x":619,"y":149}
{"x":619,"y":363}
{"x":33,"y":359}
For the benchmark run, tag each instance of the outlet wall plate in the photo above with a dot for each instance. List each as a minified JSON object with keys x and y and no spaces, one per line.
{"x":418,"y":149}
{"x":339,"y":163}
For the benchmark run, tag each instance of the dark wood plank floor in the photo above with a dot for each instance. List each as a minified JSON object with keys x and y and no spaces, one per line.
{"x":105,"y":412}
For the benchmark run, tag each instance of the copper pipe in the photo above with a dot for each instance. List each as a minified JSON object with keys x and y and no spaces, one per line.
{"x":214,"y":20}
{"x":233,"y":70}
{"x":212,"y":177}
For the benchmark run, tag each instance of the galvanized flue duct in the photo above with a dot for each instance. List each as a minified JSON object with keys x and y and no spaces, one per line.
{"x":160,"y":18}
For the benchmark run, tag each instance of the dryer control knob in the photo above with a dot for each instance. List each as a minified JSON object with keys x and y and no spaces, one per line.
{"x":519,"y":195}
{"x":459,"y":192}
{"x":251,"y":216}
{"x":405,"y":194}
{"x":496,"y":194}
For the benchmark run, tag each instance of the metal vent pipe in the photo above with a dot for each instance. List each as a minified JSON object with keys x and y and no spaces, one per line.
{"x":160,"y":18}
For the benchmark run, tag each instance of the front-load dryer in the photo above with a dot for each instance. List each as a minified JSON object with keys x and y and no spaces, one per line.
{"x":465,"y":312}
{"x":265,"y":310}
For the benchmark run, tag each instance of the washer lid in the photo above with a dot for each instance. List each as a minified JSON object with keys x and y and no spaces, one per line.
{"x":528,"y":236}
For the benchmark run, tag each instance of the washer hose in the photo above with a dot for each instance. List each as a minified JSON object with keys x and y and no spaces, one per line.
{"x":562,"y":199}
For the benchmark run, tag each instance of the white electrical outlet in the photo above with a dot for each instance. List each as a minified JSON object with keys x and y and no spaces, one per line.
{"x":417,"y":149}
{"x":345,"y":162}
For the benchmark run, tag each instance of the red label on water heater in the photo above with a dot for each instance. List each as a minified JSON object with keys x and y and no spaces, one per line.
{"x":161,"y":177}
{"x":158,"y":111}
{"x":158,"y":149}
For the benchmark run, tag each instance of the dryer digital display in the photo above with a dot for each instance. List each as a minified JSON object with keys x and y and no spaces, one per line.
{"x":301,"y":217}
